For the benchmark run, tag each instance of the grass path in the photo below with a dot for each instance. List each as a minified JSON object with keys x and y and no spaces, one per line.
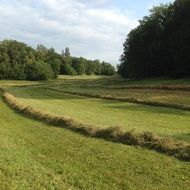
{"x":37,"y":156}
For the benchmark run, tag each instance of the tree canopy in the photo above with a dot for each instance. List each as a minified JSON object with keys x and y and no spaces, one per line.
{"x":160,"y":45}
{"x":19,"y":61}
{"x":79,"y":66}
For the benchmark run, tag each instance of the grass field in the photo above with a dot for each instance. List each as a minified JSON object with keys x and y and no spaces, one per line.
{"x":103,"y":113}
{"x":38,"y":156}
{"x":117,"y":87}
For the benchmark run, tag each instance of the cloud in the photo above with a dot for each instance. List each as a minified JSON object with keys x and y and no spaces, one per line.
{"x":93,"y":30}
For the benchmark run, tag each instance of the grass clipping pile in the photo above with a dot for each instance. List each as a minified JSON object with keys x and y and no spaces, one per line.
{"x":178,"y":149}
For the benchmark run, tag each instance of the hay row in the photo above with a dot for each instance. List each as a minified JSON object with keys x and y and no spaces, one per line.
{"x":130,"y":100}
{"x":178,"y":149}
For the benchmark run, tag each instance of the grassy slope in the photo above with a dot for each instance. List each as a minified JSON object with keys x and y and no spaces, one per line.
{"x":104,"y":113}
{"x":36,"y":156}
{"x":164,"y":96}
{"x":116,"y":87}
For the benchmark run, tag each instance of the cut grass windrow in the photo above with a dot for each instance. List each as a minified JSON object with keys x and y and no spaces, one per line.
{"x":124,"y":99}
{"x":171,"y":88}
{"x":178,"y":149}
{"x":2,"y":90}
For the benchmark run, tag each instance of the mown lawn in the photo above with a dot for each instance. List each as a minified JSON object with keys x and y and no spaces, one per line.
{"x":38,"y":156}
{"x":103,"y":113}
{"x":117,"y":87}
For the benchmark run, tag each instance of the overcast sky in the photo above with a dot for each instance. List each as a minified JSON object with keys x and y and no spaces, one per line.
{"x":95,"y":29}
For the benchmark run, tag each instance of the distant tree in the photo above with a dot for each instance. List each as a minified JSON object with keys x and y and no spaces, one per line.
{"x":39,"y":71}
{"x":41,"y":52}
{"x":5,"y":66}
{"x":21,"y":62}
{"x":63,"y":53}
{"x":54,"y":60}
{"x":79,"y":65}
{"x":98,"y":66}
{"x":90,"y":67}
{"x":107,"y":69}
{"x":66,"y":66}
{"x":67,"y":69}
{"x":67,"y":52}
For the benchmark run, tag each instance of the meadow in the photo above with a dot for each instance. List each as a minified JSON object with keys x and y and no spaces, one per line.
{"x":35,"y":155}
{"x":105,"y":113}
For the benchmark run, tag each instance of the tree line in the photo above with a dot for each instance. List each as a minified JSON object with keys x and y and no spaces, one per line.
{"x":160,"y":45}
{"x":78,"y":66}
{"x":19,"y":61}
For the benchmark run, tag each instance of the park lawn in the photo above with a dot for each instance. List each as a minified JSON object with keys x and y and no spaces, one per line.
{"x":37,"y":156}
{"x":104,"y":113}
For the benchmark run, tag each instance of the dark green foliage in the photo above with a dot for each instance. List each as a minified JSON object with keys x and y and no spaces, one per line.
{"x":98,"y":66}
{"x":107,"y":69}
{"x":53,"y":59}
{"x":66,"y":68}
{"x":21,"y":62}
{"x":39,"y":71}
{"x":79,"y":65}
{"x":90,"y":68}
{"x":160,"y":45}
{"x":5,"y":66}
{"x":179,"y":38}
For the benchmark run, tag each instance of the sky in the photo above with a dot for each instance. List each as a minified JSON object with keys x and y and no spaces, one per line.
{"x":94,"y":29}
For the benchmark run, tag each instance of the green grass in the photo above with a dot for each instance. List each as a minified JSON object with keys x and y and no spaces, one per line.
{"x":117,"y":81}
{"x":163,"y":96}
{"x":116,"y":87}
{"x":103,"y":113}
{"x":38,"y":156}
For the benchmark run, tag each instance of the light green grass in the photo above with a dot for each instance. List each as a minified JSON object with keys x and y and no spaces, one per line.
{"x":115,"y":86}
{"x":164,"y":96}
{"x":117,"y":81}
{"x":37,"y":156}
{"x":103,"y":113}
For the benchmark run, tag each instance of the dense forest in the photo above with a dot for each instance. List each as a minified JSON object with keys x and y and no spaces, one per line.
{"x":21,"y":62}
{"x":160,"y":45}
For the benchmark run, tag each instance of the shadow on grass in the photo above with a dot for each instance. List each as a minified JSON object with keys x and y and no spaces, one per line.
{"x":55,"y":94}
{"x":150,"y":109}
